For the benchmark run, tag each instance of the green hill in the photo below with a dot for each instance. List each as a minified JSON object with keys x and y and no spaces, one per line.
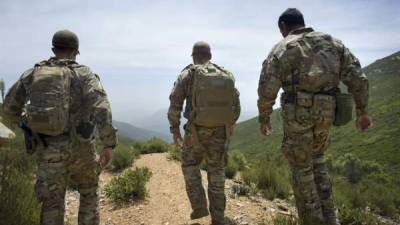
{"x":127,"y":130}
{"x":381,"y":144}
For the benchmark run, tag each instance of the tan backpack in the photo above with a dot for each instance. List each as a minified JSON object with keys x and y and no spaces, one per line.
{"x":213,"y":96}
{"x":47,"y":108}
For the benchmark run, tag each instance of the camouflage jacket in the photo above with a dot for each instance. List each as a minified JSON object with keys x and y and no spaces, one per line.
{"x":295,"y":55}
{"x":89,"y":101}
{"x":183,"y":91}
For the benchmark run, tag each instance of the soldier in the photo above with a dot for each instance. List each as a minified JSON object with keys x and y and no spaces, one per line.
{"x":62,"y":103}
{"x":308,"y":65}
{"x":212,"y":108}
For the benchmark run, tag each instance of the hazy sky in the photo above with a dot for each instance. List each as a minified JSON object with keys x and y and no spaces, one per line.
{"x":139,"y":47}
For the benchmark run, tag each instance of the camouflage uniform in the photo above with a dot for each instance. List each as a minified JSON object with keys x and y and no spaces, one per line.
{"x":308,"y":109}
{"x":210,"y":143}
{"x":69,"y":159}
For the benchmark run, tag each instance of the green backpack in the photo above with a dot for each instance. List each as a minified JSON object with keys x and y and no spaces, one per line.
{"x":47,"y":108}
{"x":213,"y":96}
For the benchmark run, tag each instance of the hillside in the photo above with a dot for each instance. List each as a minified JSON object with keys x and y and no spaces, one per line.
{"x":380,"y":144}
{"x":138,"y":134}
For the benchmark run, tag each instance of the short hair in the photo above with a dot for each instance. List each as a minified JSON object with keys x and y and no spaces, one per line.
{"x":291,"y":17}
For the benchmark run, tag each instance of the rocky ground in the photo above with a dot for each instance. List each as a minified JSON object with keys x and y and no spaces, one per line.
{"x":168,"y":204}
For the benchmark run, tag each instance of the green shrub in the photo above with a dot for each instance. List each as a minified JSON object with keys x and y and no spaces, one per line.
{"x":154,"y":145}
{"x":231,"y":169}
{"x":129,"y":186}
{"x":272,"y":182}
{"x":353,"y":168}
{"x":284,"y":220}
{"x":351,"y":216}
{"x":18,"y":201}
{"x":123,"y":157}
{"x":239,"y":159}
{"x":174,"y":153}
{"x":379,"y":192}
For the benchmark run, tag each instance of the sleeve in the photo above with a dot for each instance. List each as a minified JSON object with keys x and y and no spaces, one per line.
{"x":268,"y":87}
{"x":15,"y":99}
{"x":177,"y":98}
{"x":355,"y":80}
{"x":95,"y":99}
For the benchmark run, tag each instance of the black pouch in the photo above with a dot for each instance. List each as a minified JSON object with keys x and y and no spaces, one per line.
{"x":344,"y":109}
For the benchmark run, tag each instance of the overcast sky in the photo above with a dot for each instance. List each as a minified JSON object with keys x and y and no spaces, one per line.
{"x":139,"y":47}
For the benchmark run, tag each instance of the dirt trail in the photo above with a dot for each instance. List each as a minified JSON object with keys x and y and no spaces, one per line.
{"x":168,"y":204}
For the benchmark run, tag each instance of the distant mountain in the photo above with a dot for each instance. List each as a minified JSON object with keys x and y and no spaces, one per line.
{"x":381,"y":144}
{"x":158,"y":121}
{"x":136,"y":133}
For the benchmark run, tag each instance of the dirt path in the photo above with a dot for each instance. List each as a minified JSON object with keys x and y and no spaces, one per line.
{"x":168,"y":204}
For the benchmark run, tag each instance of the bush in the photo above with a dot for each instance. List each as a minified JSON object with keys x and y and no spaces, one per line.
{"x":239,"y":159}
{"x":353,"y":168}
{"x":174,"y":153}
{"x":18,"y":201}
{"x":271,"y":181}
{"x":351,"y":216}
{"x":129,"y":186}
{"x":123,"y":157}
{"x":284,"y":220}
{"x":154,"y":145}
{"x":231,"y":169}
{"x":376,"y":191}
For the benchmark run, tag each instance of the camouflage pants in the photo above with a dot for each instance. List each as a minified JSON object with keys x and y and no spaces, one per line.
{"x":61,"y":164}
{"x":306,"y":138}
{"x":214,"y":150}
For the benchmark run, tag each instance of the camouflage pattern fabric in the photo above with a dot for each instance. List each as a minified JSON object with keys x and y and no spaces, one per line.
{"x":310,"y":64}
{"x":69,"y":159}
{"x":83,"y":174}
{"x":209,"y":143}
{"x":212,"y":148}
{"x":183,"y":91}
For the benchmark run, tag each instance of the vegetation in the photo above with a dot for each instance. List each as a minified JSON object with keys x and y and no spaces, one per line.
{"x":18,"y":201}
{"x":154,"y":145}
{"x":271,"y":181}
{"x":123,"y":157}
{"x":129,"y":186}
{"x":174,"y":153}
{"x":284,"y":220}
{"x":365,"y":167}
{"x":236,"y":162}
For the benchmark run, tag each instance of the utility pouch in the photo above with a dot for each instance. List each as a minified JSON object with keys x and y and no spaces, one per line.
{"x":344,"y":109}
{"x":85,"y":130}
{"x":304,"y":99}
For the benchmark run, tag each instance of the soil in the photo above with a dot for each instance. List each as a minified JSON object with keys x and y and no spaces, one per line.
{"x":168,"y":204}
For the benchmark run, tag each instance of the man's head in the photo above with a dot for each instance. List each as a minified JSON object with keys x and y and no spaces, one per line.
{"x":65,"y":44}
{"x":201,"y":52}
{"x":289,"y":20}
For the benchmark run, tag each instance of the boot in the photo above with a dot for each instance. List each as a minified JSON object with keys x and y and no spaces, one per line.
{"x":199,"y":213}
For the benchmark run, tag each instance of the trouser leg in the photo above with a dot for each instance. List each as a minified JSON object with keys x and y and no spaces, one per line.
{"x":51,"y":180}
{"x":298,"y":150}
{"x":89,"y":205}
{"x":321,"y":175}
{"x":216,"y":193}
{"x":84,"y":176}
{"x":216,"y":159}
{"x":191,"y":173}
